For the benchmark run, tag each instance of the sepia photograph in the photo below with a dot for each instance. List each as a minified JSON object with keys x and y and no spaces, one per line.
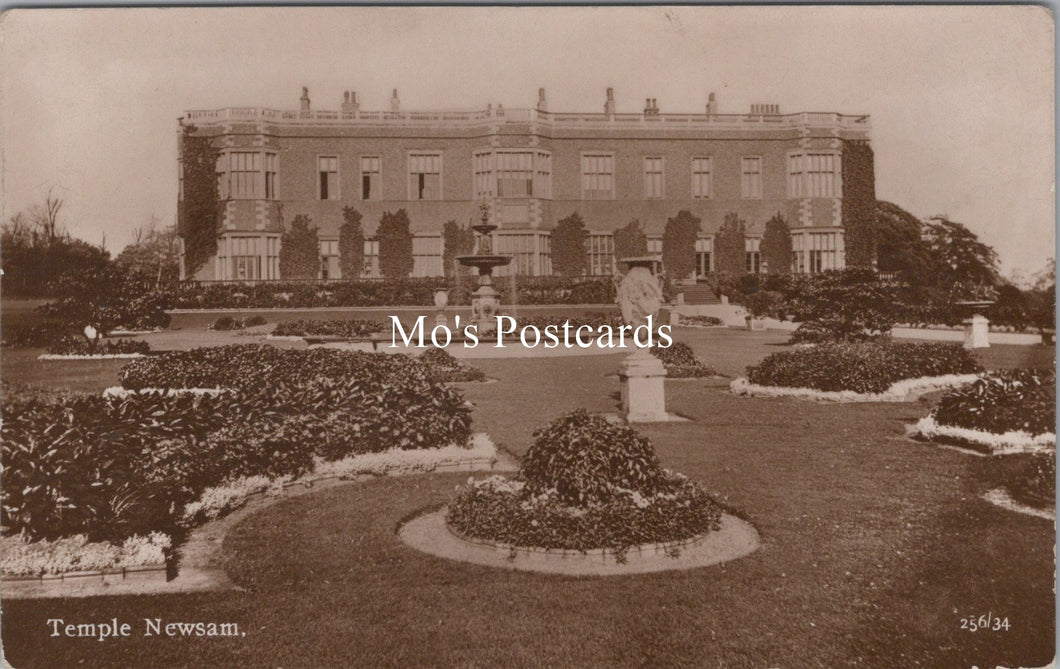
{"x":528,"y":336}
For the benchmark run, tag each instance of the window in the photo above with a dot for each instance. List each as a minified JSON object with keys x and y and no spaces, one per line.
{"x":704,"y":256}
{"x":601,"y":254}
{"x":222,"y":174}
{"x":370,"y":186}
{"x":543,"y":175}
{"x":653,"y":178}
{"x":515,"y":174}
{"x":329,"y":259}
{"x":654,"y":245}
{"x":702,"y":183}
{"x":427,"y":256}
{"x":813,"y":175}
{"x":530,"y":251}
{"x":751,"y":177}
{"x":482,"y":165}
{"x":754,"y":257}
{"x":817,"y":251}
{"x":598,"y":176}
{"x":328,"y":167}
{"x":425,"y":176}
{"x":271,"y":161}
{"x":245,"y":253}
{"x":371,"y":257}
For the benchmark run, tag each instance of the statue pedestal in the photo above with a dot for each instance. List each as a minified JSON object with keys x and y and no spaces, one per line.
{"x":977,"y":332}
{"x":643,"y":377}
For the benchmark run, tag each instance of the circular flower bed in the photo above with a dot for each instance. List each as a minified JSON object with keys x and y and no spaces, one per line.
{"x":586,"y":483}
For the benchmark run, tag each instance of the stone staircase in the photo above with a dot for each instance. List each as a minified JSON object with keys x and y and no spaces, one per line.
{"x":699,"y":294}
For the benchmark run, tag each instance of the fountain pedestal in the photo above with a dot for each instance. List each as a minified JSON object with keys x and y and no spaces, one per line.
{"x":485,"y":301}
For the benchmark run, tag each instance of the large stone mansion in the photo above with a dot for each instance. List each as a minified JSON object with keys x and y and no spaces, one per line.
{"x":534,"y":167}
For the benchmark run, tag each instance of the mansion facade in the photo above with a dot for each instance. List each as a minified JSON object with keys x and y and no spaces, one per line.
{"x":533,"y":167}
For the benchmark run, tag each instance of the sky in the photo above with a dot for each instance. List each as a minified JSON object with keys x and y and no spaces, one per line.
{"x":961,"y":98}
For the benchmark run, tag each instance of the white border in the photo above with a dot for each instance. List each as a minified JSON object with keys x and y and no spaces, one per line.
{"x":904,"y":390}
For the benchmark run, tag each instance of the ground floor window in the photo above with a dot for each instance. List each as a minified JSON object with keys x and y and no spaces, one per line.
{"x":427,"y":256}
{"x":704,"y":256}
{"x":754,"y":257}
{"x":817,"y":251}
{"x":329,"y":259}
{"x":530,"y":251}
{"x":248,"y":258}
{"x":601,"y":254}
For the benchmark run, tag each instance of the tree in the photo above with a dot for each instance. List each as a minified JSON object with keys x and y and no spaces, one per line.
{"x":960,"y":262}
{"x":569,"y":256}
{"x":730,"y":246}
{"x":154,"y":254}
{"x":199,"y":209}
{"x":776,"y":246}
{"x":300,"y":250}
{"x":456,"y":241}
{"x":679,"y":244}
{"x":351,"y":244}
{"x":899,"y":247}
{"x":630,"y":241}
{"x":395,"y":245}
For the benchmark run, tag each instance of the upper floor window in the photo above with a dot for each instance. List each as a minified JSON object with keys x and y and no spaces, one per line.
{"x":328,"y":168}
{"x":598,"y":176}
{"x":702,"y":180}
{"x":271,"y":161}
{"x":425,"y":176}
{"x":370,"y":171}
{"x":515,"y":173}
{"x":543,"y":175}
{"x":482,"y":165}
{"x":751,"y":177}
{"x":813,"y":175}
{"x":653,"y":177}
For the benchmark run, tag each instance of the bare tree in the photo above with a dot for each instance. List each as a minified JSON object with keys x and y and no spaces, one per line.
{"x":45,"y":218}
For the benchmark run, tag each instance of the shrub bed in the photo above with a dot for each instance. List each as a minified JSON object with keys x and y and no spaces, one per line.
{"x":1022,"y":400}
{"x":226,"y":323}
{"x":869,"y":367}
{"x":114,"y":467}
{"x":585,"y":483}
{"x":41,"y":336}
{"x":702,"y":321}
{"x":681,"y":362}
{"x":352,"y":329}
{"x":444,"y":368}
{"x":1028,"y":478}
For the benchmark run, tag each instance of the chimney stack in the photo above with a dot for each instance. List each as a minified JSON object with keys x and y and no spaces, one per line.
{"x":305,"y":100}
{"x":609,"y":106}
{"x":651,"y":107}
{"x":542,"y":103}
{"x":712,"y":105}
{"x":349,"y":102}
{"x":395,"y":103}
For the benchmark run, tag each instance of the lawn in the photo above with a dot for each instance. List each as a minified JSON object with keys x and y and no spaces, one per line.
{"x":873,"y":549}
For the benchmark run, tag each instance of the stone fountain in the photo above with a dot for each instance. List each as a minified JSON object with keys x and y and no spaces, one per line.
{"x":642,"y":375}
{"x":485,"y":303}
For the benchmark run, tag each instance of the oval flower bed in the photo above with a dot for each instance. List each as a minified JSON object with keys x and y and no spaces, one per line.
{"x":79,"y":348}
{"x":585,"y":484}
{"x":859,"y":372}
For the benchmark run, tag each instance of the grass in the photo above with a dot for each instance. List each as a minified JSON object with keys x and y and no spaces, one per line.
{"x":873,"y":548}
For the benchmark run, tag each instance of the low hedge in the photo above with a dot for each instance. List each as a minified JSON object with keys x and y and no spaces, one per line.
{"x":329,"y":328}
{"x":389,"y":293}
{"x":226,"y":323}
{"x":74,"y":345}
{"x":867,"y":367}
{"x":1003,"y":401}
{"x":1029,"y":478}
{"x":585,"y":483}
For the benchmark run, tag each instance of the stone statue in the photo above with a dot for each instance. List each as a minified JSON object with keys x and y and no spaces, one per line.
{"x":639,"y":294}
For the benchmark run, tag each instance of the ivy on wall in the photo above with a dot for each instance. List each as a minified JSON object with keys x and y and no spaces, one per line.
{"x":199,"y":211}
{"x":569,"y":256}
{"x":395,"y":245}
{"x":775,"y":249}
{"x":679,"y":244}
{"x":351,"y":244}
{"x":300,"y":250}
{"x":730,"y":245}
{"x":859,"y":203}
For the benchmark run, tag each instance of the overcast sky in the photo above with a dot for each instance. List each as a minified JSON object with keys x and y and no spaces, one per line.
{"x":961,"y":98}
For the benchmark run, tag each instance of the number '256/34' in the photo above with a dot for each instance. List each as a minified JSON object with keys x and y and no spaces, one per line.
{"x":987,"y":622}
